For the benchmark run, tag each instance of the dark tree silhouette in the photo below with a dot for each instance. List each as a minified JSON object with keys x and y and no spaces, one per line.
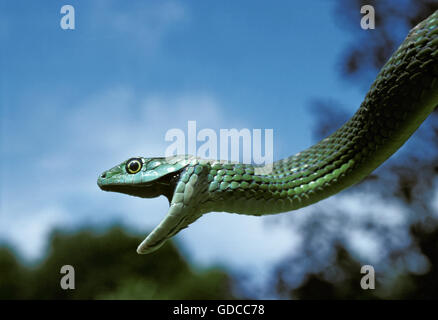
{"x":107,"y":267}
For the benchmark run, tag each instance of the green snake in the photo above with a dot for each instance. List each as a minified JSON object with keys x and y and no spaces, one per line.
{"x":404,"y":93}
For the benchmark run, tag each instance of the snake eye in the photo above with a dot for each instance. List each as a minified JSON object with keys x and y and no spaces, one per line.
{"x":133,"y":165}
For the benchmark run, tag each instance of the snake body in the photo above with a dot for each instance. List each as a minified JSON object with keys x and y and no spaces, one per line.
{"x":404,"y":93}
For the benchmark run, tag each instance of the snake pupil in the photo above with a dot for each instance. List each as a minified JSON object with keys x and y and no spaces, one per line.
{"x":133,"y":166}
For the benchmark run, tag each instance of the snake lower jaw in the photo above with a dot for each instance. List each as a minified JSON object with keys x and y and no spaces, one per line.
{"x":142,"y":191}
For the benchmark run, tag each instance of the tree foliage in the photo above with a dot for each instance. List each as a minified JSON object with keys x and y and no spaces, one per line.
{"x":107,"y":267}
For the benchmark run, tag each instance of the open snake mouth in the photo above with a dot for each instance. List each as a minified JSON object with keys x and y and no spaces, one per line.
{"x":164,"y":185}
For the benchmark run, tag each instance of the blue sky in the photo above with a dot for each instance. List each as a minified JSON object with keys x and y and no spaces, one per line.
{"x":77,"y":102}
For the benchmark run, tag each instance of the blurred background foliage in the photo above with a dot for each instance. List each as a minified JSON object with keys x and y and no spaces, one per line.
{"x":107,"y":266}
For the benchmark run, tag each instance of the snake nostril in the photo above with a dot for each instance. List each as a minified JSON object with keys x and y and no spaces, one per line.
{"x":103,"y":175}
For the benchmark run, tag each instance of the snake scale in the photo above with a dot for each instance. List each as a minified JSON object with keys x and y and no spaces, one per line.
{"x":404,"y":93}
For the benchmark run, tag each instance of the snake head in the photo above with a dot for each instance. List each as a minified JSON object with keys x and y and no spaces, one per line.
{"x":152,"y":177}
{"x":143,"y":177}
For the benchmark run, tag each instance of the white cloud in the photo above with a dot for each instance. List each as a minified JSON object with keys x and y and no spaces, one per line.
{"x":242,"y":239}
{"x":29,"y":229}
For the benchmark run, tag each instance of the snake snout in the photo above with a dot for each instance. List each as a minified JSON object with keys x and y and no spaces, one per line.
{"x":100,"y":179}
{"x":103,"y":179}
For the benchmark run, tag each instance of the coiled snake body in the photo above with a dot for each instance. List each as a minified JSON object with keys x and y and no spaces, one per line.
{"x":404,"y":93}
